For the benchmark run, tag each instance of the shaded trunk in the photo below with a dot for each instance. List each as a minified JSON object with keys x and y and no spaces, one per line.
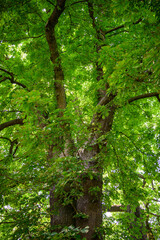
{"x":90,"y":204}
{"x":91,"y":201}
{"x":137,"y":228}
{"x":61,"y":216}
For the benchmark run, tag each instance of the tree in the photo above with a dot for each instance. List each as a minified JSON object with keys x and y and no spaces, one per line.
{"x":79,"y":119}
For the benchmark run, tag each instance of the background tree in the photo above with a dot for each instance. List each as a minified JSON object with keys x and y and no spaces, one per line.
{"x":79,"y":84}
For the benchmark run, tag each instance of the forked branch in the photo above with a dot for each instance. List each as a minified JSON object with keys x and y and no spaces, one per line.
{"x":10,"y":78}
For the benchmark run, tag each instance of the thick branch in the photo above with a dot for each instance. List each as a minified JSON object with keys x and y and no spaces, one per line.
{"x":116,"y":208}
{"x":55,"y":58}
{"x":11,"y":123}
{"x":53,"y":20}
{"x":91,"y":14}
{"x":106,"y":99}
{"x":147,"y":95}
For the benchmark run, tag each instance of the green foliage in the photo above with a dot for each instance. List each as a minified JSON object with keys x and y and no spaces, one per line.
{"x":129,"y":153}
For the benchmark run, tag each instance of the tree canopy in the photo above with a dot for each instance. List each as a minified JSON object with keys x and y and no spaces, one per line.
{"x":79,"y":111}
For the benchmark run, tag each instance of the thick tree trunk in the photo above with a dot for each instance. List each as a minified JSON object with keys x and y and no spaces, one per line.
{"x":61,"y":216}
{"x":90,"y":204}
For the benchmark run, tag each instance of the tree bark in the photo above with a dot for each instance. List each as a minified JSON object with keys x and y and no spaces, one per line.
{"x":90,"y":204}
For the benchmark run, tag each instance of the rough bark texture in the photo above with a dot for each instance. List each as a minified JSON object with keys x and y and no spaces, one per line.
{"x":90,"y":204}
{"x":61,"y":216}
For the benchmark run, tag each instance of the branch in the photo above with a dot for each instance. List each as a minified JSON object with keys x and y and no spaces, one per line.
{"x":138,"y":149}
{"x":7,"y":222}
{"x":117,"y":33}
{"x":12,"y":6}
{"x":50,"y":2}
{"x":24,"y":38}
{"x":8,"y":177}
{"x":11,"y":147}
{"x":121,"y":26}
{"x":5,"y":138}
{"x":11,"y":78}
{"x":11,"y":123}
{"x":4,"y":70}
{"x":4,"y":79}
{"x":147,"y":95}
{"x":106,"y":99}
{"x":116,"y":208}
{"x":156,"y":200}
{"x":7,"y":111}
{"x":12,"y":143}
{"x":52,"y":43}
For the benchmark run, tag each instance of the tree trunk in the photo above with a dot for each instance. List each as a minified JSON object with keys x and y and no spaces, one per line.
{"x":60,"y":215}
{"x":136,"y":227}
{"x":90,"y":204}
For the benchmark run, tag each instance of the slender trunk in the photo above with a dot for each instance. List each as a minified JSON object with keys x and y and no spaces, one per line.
{"x":60,"y":215}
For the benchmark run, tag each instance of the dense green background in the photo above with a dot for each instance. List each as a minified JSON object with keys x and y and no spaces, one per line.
{"x":129,"y":56}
